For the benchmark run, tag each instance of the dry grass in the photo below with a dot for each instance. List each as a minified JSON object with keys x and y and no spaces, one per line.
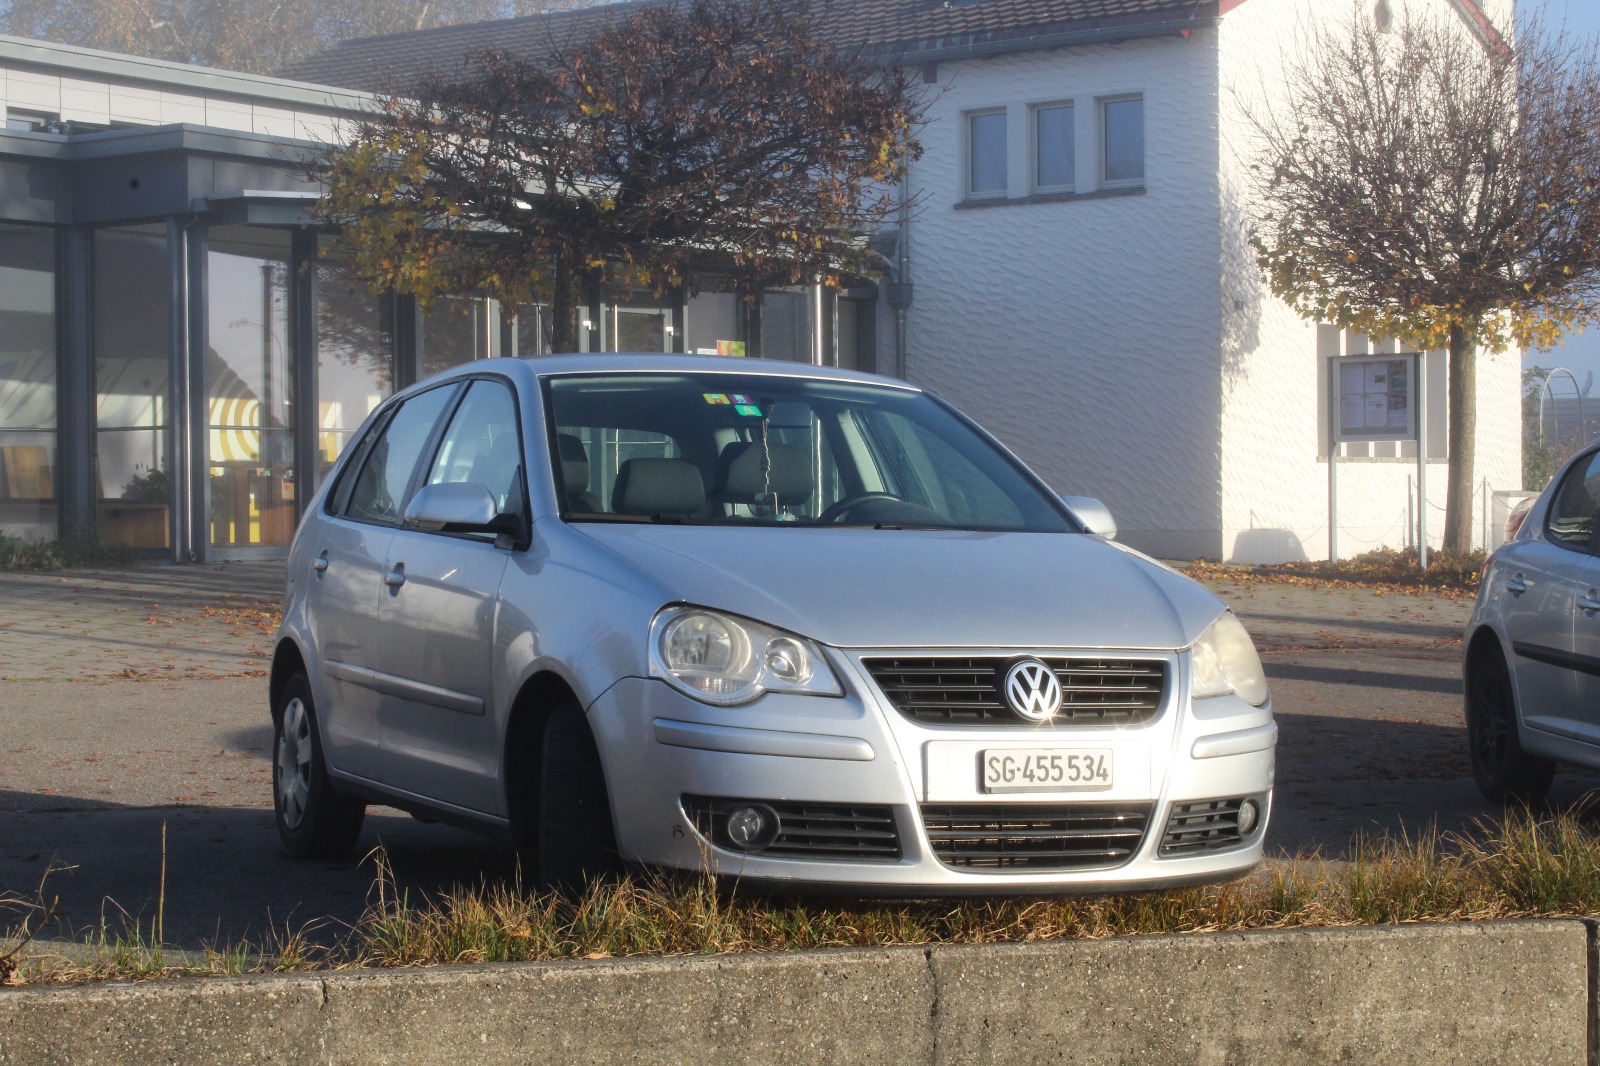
{"x":1525,"y":865}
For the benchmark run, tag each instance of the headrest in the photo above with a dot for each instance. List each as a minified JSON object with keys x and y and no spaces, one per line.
{"x":740,"y":478}
{"x":496,"y":469}
{"x":574,"y":463}
{"x":658,"y":486}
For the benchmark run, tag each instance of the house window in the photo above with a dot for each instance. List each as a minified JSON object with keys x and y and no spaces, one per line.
{"x":1053,"y":132}
{"x":1122,"y":141}
{"x":32,"y":122}
{"x":986,"y":153}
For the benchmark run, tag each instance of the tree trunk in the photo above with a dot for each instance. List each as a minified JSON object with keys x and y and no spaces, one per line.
{"x":1463,"y":426}
{"x":565,"y":293}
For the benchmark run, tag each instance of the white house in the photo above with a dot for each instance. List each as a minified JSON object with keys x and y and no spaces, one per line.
{"x":1076,"y":274}
{"x":1083,"y":284}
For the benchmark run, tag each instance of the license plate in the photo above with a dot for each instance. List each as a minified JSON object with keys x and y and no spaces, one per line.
{"x":1045,"y":769}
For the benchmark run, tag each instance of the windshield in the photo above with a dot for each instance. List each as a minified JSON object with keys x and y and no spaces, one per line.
{"x":738,"y":449}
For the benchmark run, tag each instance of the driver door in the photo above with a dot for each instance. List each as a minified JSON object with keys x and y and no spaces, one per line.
{"x":439,"y":615}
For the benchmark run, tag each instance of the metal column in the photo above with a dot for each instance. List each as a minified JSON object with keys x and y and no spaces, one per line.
{"x":75,"y":380}
{"x":305,"y":414}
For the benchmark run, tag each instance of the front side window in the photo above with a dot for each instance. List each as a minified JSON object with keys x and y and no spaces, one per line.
{"x":1572,"y":511}
{"x":1053,"y":133}
{"x":1122,"y":140}
{"x":739,"y":449}
{"x":986,"y":152}
{"x":482,"y":446}
{"x":380,"y":489}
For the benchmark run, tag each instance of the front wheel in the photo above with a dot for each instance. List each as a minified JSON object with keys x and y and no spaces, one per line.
{"x":576,"y":841}
{"x":1504,"y":772}
{"x":315,"y":820}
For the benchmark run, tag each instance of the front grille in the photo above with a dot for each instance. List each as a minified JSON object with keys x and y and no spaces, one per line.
{"x":833,"y":831}
{"x":1196,"y":828}
{"x":967,"y":690}
{"x":1035,"y":836}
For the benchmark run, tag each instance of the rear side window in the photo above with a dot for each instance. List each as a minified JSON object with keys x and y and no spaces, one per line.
{"x":1572,"y":511}
{"x":380,"y":489}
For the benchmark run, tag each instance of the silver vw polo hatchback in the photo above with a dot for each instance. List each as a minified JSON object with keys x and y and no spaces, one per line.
{"x":799,"y":626}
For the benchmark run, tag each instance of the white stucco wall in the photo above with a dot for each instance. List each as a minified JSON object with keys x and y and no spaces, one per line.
{"x":1274,"y":481}
{"x":1083,"y":333}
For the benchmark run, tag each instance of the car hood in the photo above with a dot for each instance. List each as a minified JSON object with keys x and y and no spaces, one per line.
{"x":863,"y":588}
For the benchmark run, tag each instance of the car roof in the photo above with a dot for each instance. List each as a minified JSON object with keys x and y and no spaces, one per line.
{"x":657,"y":363}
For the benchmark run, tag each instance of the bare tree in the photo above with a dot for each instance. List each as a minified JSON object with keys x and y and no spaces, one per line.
{"x":681,"y":139}
{"x":1432,"y":185}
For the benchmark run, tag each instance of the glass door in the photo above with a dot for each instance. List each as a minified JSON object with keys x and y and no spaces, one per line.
{"x":249,"y":377}
{"x":639,"y":329}
{"x":133,"y":470}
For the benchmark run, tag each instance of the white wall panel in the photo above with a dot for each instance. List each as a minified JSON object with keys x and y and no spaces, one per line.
{"x":1084,"y":333}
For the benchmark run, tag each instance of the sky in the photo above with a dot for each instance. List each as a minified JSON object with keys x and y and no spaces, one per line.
{"x":1581,"y":352}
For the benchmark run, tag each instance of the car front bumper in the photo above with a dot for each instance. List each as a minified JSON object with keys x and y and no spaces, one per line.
{"x":847,"y":764}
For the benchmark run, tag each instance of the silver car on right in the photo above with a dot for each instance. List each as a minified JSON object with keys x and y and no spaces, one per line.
{"x":1532,"y":650}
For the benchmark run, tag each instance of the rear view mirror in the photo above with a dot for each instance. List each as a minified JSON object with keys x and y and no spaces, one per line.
{"x":1095,"y":515}
{"x":789,"y":414}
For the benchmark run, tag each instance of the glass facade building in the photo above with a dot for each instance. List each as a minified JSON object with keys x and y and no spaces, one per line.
{"x":183,"y":353}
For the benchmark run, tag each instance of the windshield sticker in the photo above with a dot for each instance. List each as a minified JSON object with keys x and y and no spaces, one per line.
{"x":751,"y":410}
{"x":715,"y":397}
{"x":740,"y":398}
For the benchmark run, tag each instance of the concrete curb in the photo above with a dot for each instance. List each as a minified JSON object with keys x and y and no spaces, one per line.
{"x":1502,"y":992}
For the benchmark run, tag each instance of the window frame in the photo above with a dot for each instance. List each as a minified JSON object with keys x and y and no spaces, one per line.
{"x":969,"y":154}
{"x":1036,"y":154}
{"x":1103,"y":105}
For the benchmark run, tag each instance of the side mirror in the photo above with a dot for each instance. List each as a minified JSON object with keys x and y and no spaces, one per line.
{"x":1093,"y":514}
{"x":458,"y":507}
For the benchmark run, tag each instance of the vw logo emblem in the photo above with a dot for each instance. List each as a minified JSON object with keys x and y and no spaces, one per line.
{"x":1033,"y":691}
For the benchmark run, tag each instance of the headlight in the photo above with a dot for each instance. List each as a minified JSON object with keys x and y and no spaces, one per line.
{"x":1224,"y":660}
{"x":721,"y":659}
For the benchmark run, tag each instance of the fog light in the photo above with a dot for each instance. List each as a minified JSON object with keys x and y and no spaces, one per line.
{"x":752,"y":827}
{"x":1249,"y":816}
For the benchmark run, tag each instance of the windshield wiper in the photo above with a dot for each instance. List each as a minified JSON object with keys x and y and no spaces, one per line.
{"x":879,"y":525}
{"x":637,"y":519}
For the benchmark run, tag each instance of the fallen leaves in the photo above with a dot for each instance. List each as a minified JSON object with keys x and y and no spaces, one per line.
{"x":1451,"y":575}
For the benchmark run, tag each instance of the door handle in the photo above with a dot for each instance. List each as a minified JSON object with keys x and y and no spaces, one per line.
{"x":1516,"y":585}
{"x":320,"y":563}
{"x":396,"y":577}
{"x":1589,"y":603}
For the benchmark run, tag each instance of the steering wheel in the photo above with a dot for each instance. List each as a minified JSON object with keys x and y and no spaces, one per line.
{"x":840,"y":507}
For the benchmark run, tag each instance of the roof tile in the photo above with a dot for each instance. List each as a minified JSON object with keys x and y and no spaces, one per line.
{"x":390,"y":63}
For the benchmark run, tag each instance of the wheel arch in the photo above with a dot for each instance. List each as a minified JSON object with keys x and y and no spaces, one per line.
{"x":1483,"y":641}
{"x":286,"y":660}
{"x":539,"y":696}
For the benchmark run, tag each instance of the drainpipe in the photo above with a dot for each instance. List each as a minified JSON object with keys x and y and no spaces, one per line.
{"x":900,"y":291}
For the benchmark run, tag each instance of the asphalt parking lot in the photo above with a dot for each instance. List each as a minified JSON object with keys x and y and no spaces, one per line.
{"x":135,"y":744}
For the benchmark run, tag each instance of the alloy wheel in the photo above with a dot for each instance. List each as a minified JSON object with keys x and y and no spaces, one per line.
{"x":294,"y":762}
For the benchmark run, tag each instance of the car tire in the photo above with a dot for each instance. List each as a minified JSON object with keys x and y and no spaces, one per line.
{"x":315,"y":820}
{"x":577,"y":843}
{"x":1504,"y":772}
